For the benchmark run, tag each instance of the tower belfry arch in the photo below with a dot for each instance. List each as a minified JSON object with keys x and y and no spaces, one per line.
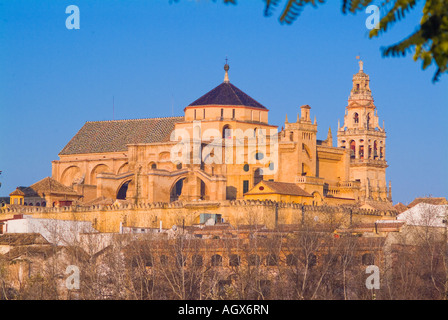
{"x":362,"y":136}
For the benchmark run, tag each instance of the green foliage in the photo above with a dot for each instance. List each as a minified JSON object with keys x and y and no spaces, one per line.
{"x":429,"y":41}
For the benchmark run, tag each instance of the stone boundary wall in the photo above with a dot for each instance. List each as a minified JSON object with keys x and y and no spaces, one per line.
{"x":107,"y":218}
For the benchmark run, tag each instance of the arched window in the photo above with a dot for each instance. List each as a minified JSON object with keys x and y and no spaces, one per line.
{"x":197,"y":133}
{"x":234,"y":260}
{"x":153,"y":166}
{"x":226,"y":132}
{"x":271,"y":260}
{"x":291,"y":260}
{"x":179,"y":166}
{"x":181,"y":261}
{"x":216,"y":260}
{"x":121,"y":194}
{"x":197,"y":260}
{"x":176,"y":190}
{"x":367,"y":259}
{"x":164,"y":260}
{"x":142,"y":260}
{"x":254,"y":260}
{"x":356,"y":118}
{"x":352,"y":149}
{"x":148,"y":260}
{"x":312,"y":260}
{"x":375,"y":149}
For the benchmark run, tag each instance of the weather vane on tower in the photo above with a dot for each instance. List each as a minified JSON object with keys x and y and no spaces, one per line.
{"x":361,"y":64}
{"x":226,"y":69}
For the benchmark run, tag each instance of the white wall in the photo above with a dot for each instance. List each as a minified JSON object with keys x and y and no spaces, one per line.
{"x":59,"y":232}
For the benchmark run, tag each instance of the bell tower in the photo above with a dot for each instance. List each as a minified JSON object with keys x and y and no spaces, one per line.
{"x":366,"y":140}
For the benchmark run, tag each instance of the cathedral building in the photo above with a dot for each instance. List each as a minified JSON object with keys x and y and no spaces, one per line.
{"x":224,"y":148}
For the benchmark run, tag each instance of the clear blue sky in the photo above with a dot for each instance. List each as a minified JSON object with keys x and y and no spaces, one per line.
{"x":156,"y":57}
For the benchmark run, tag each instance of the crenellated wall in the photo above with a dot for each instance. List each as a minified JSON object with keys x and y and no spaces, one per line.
{"x":107,"y":218}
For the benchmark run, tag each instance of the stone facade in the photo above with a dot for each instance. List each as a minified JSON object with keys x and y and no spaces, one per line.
{"x":366,"y":140}
{"x":217,"y":159}
{"x":109,"y":218}
{"x":188,"y":158}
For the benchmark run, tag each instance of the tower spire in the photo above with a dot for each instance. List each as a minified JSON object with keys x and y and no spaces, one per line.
{"x":329,"y":137}
{"x":367,"y":155}
{"x":361,"y":64}
{"x":390,"y":191}
{"x":361,"y":87}
{"x":226,"y":69}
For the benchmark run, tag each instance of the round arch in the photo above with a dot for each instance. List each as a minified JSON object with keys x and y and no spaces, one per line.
{"x":355,"y":117}
{"x":226,"y":131}
{"x":124,"y":168}
{"x":352,"y":149}
{"x":97,"y":170}
{"x":70,"y":174}
{"x":177,"y":187}
{"x":317,"y":198}
{"x":152,"y":165}
{"x":123,"y":189}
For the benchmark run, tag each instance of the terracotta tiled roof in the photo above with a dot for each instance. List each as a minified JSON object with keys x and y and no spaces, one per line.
{"x":385,"y":224}
{"x":283,"y":188}
{"x":400,"y":207}
{"x":113,"y":136}
{"x":17,"y":192}
{"x":429,"y":200}
{"x":43,"y":251}
{"x":22,"y":239}
{"x":380,"y":205}
{"x":226,"y":94}
{"x":251,"y":227}
{"x":46,"y":185}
